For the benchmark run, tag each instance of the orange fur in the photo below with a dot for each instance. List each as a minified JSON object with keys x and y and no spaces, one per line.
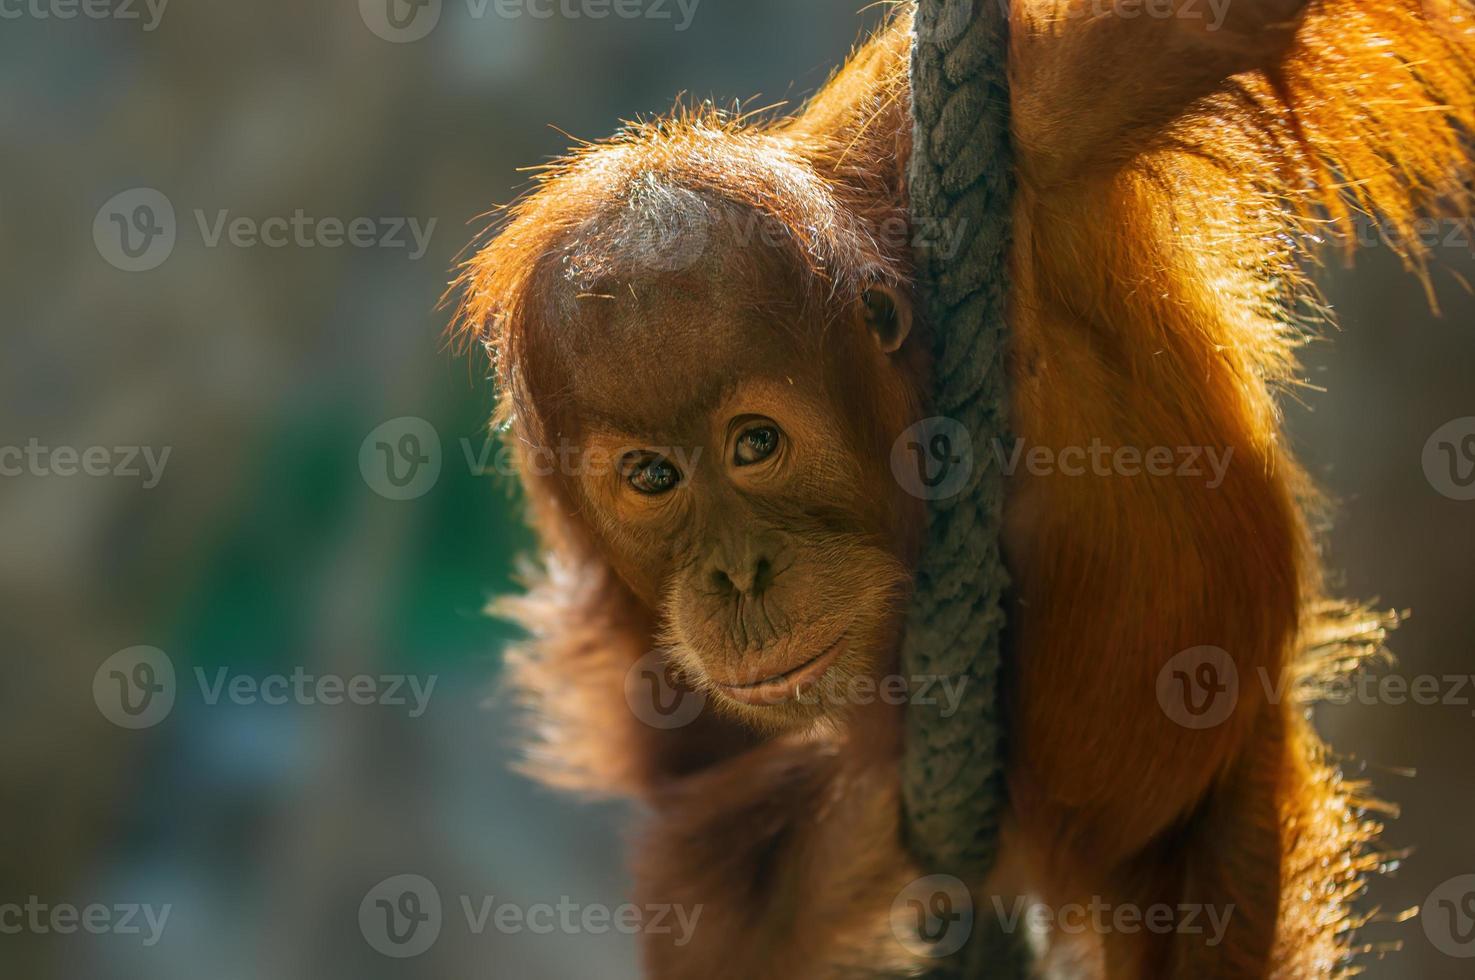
{"x":1173,"y":189}
{"x":1155,"y":306}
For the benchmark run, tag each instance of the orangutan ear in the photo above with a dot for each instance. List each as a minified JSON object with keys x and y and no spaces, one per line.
{"x":888,"y":316}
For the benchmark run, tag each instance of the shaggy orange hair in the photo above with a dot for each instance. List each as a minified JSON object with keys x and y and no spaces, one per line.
{"x":1166,"y":217}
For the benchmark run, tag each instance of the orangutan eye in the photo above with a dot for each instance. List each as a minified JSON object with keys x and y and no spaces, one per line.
{"x":756,"y":444}
{"x":651,"y":475}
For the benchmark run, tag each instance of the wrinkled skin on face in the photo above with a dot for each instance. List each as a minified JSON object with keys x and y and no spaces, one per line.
{"x":740,"y":485}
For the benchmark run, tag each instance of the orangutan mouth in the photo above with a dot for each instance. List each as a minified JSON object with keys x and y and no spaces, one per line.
{"x":782,"y":687}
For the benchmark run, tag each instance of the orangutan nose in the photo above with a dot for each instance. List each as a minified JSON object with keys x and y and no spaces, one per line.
{"x":745,"y":570}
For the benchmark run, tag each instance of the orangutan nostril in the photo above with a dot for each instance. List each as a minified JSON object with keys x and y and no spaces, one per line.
{"x":720,"y":583}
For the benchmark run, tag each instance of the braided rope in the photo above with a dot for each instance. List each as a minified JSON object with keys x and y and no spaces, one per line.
{"x":962,"y":182}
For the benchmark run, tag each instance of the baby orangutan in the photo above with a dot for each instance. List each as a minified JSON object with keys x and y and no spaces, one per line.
{"x":709,"y":323}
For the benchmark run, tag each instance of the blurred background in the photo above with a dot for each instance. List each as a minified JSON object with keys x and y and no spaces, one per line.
{"x":149,"y":307}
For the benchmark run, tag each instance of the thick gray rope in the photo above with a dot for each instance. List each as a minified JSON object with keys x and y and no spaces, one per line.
{"x":962,"y":189}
